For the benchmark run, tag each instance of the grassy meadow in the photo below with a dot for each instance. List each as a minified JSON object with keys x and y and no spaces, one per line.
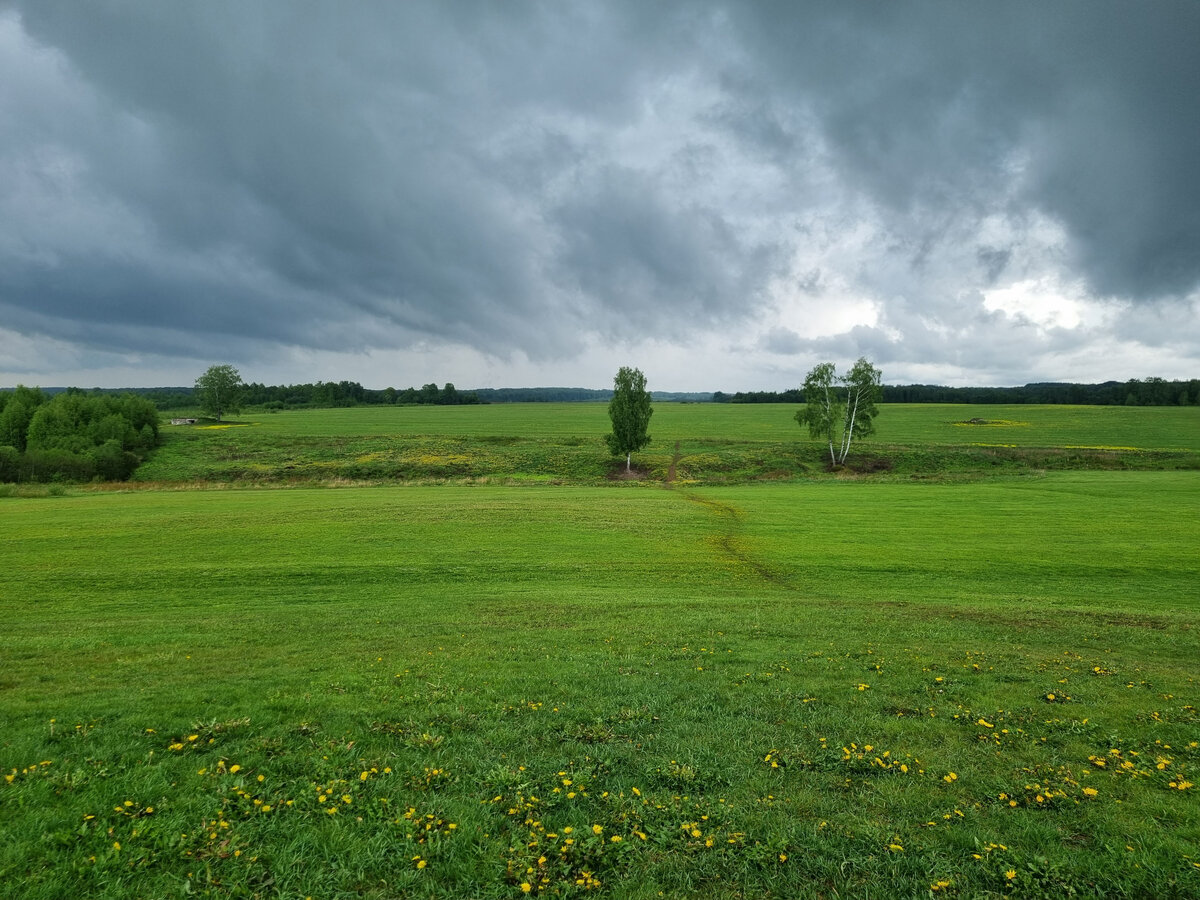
{"x":706,"y":443}
{"x":783,"y":684}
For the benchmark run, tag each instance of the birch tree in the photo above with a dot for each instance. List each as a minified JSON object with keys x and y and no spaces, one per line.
{"x":839,"y":408}
{"x":630,"y":412}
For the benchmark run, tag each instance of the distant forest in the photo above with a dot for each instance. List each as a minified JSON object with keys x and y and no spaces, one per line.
{"x":1135,"y":392}
{"x":325,"y":394}
{"x":322,"y":394}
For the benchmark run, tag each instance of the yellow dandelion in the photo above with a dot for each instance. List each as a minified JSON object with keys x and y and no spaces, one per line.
{"x":597,"y":829}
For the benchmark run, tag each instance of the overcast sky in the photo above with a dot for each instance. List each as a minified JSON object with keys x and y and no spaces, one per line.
{"x":518,"y":194}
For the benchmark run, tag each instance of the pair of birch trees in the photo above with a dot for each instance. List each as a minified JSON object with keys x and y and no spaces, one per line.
{"x":840,"y":408}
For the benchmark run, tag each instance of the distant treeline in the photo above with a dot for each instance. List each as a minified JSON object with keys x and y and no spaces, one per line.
{"x":320,"y":394}
{"x":578,"y":395}
{"x":1135,"y":392}
{"x":73,"y":436}
{"x":351,"y":393}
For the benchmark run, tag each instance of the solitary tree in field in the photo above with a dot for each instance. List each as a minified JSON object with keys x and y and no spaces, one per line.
{"x":630,"y":412}
{"x":219,"y":390}
{"x":840,"y":408}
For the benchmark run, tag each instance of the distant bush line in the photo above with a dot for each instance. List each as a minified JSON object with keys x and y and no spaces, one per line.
{"x":73,"y":436}
{"x":1135,"y":392}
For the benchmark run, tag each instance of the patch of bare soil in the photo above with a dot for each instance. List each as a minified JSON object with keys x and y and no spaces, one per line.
{"x":862,"y":465}
{"x":621,"y":475}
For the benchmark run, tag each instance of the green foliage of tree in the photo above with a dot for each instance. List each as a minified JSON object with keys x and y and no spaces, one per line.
{"x":840,"y":408}
{"x":14,"y":424}
{"x":219,"y":391}
{"x":630,"y":412}
{"x":111,"y":462}
{"x":16,"y":412}
{"x":10,"y":464}
{"x":59,"y":425}
{"x":73,"y":436}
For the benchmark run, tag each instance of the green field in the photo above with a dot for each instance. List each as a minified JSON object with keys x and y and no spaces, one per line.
{"x":716,"y":443}
{"x":810,"y":686}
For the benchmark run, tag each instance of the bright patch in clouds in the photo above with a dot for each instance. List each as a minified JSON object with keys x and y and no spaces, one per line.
{"x":1041,"y":301}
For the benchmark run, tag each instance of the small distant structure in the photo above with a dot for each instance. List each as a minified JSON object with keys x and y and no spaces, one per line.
{"x":183,"y":421}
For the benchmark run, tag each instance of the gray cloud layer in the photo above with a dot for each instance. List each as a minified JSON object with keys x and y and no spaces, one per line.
{"x":534,"y":177}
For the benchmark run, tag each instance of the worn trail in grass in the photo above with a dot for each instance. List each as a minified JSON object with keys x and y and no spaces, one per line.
{"x":771,"y":690}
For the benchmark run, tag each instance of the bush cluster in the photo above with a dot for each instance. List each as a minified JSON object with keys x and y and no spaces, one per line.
{"x":73,"y":436}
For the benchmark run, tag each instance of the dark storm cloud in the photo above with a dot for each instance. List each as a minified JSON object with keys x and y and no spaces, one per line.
{"x":524,"y":177}
{"x":1080,"y":110}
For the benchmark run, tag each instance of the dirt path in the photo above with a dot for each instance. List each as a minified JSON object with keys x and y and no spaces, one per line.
{"x":729,"y":518}
{"x":726,"y":540}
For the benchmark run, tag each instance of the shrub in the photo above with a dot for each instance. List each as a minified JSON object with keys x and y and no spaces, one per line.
{"x":10,"y":464}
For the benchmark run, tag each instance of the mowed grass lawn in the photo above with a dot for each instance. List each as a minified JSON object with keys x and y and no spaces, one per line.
{"x":838,"y":688}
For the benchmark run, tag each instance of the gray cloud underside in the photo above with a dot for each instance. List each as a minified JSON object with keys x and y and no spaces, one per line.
{"x":525,"y":177}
